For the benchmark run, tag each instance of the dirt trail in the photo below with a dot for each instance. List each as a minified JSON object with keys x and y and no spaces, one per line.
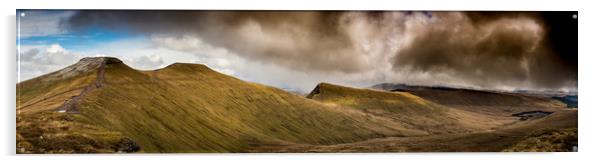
{"x":70,"y":105}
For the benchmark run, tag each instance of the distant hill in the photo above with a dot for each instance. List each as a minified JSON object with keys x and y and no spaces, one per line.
{"x":451,"y":129}
{"x":487,"y":102}
{"x":405,"y":108}
{"x":569,"y":100}
{"x":102,"y":105}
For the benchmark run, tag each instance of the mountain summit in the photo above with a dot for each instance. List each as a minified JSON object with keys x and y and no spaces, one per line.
{"x":85,"y":65}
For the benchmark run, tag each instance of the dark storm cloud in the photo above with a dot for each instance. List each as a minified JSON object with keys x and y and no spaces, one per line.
{"x":489,"y":49}
{"x":486,"y":49}
{"x":307,"y":40}
{"x":560,"y":26}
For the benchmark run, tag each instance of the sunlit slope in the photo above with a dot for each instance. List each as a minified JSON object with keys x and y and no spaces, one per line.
{"x":404,"y":108}
{"x":191,"y":108}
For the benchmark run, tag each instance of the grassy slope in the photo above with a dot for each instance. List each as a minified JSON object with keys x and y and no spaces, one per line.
{"x":489,"y":102}
{"x":39,"y":94}
{"x":556,"y":132}
{"x":547,"y":140}
{"x":40,"y":129}
{"x":182,"y":109}
{"x":405,"y":108}
{"x":52,"y":132}
{"x":190,"y":108}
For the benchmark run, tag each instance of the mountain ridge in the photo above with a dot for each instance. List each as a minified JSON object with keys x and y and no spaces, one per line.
{"x":179,"y":108}
{"x":402,"y":86}
{"x":101,"y":105}
{"x":487,"y":102}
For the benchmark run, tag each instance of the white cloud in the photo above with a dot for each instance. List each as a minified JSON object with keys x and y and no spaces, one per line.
{"x":222,"y":62}
{"x":55,"y":48}
{"x":217,"y":58}
{"x":40,"y":60}
{"x":227,"y":62}
{"x":146,"y":62}
{"x":29,"y":54}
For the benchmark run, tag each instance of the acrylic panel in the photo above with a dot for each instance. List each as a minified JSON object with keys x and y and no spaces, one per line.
{"x":204,"y":81}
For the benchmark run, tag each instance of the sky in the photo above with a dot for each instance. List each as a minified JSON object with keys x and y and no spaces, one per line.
{"x":296,"y":50}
